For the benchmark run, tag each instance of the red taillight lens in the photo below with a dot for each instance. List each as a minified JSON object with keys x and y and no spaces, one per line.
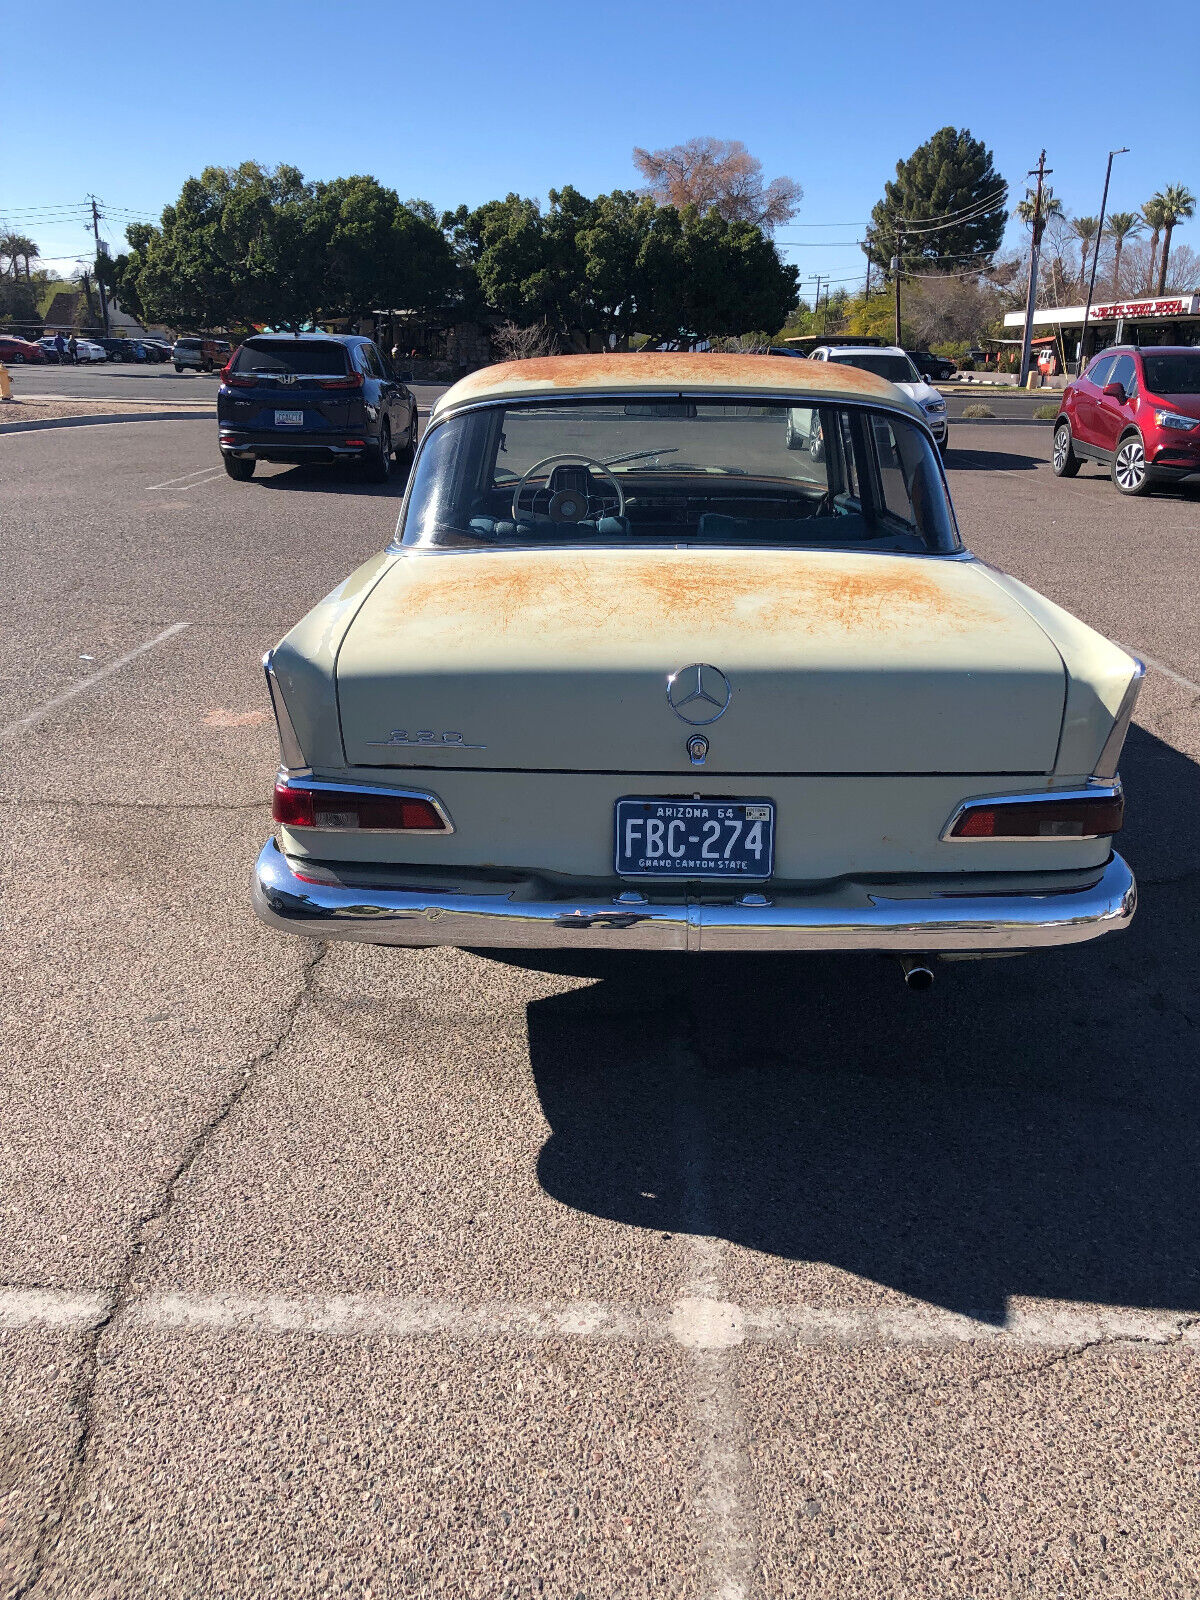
{"x":352,"y":380}
{"x":352,"y":809}
{"x":1088,"y":817}
{"x":237,"y":380}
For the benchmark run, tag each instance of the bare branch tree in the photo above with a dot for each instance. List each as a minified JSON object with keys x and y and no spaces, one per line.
{"x":514,"y":343}
{"x":709,"y":172}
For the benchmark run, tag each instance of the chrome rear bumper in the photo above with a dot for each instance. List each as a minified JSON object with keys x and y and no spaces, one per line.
{"x":370,"y":906}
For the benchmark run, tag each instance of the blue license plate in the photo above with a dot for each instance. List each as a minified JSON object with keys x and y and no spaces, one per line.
{"x":695,"y":838}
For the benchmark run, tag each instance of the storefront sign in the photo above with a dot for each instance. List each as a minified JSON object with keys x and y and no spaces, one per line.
{"x":1145,"y":308}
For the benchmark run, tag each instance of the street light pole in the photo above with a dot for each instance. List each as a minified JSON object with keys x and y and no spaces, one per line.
{"x":1087,"y":310}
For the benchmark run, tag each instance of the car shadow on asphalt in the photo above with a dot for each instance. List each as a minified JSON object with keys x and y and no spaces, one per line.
{"x":1030,"y":1127}
{"x":959,"y":460}
{"x":334,"y":478}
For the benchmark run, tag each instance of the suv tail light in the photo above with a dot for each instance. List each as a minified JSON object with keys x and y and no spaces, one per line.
{"x":1078,"y":815}
{"x":352,"y":380}
{"x":356,"y":810}
{"x":237,"y":380}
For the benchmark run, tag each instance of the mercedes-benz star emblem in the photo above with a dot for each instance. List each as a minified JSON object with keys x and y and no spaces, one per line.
{"x":698,"y":694}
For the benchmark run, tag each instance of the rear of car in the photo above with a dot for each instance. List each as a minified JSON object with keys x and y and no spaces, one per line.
{"x":188,"y":353}
{"x":296,"y":399}
{"x":15,"y":352}
{"x":1136,"y":412}
{"x":638,"y":675}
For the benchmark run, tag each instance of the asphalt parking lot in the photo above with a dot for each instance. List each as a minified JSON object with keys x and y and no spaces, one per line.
{"x":402,"y":1273}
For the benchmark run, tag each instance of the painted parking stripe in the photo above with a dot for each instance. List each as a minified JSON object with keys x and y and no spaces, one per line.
{"x":10,"y":729}
{"x":697,"y":1322}
{"x":1167,"y":672}
{"x":171,"y":483}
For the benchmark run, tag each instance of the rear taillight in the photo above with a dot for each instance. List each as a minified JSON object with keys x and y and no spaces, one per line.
{"x":352,"y":380}
{"x":237,"y":380}
{"x":1073,"y":816}
{"x":357,"y":810}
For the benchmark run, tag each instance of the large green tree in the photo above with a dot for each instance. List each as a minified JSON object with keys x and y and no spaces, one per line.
{"x":247,"y":245}
{"x":948,"y":203}
{"x":595,"y":271}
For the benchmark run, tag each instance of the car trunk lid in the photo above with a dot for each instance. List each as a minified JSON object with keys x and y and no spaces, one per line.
{"x":559,"y":660}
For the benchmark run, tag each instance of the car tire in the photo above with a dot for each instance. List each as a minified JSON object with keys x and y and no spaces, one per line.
{"x":377,"y":462}
{"x":1129,"y":470}
{"x":1063,"y":459}
{"x":240,"y":467}
{"x":792,"y":439}
{"x":178,"y":368}
{"x":405,"y":453}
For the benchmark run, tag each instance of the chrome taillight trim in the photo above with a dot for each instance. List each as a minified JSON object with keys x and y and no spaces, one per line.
{"x":379,"y":790}
{"x":290,"y":752}
{"x":1096,"y":791}
{"x":1106,"y":767}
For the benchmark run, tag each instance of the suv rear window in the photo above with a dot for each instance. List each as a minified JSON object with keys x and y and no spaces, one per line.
{"x":187,"y":344}
{"x":896,"y":369}
{"x":313,"y":357}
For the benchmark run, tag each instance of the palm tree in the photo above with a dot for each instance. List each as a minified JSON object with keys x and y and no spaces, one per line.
{"x":1179,"y":203}
{"x":1051,"y":207}
{"x":1121,"y":225}
{"x":17,"y":248}
{"x":1154,"y":214}
{"x":10,"y":250}
{"x":1085,"y":230}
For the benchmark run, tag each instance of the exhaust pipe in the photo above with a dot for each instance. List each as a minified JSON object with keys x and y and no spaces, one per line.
{"x":918,"y":974}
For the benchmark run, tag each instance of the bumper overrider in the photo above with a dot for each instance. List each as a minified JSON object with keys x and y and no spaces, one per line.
{"x":425,"y":906}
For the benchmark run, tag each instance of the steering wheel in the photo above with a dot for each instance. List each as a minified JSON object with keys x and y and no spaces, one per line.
{"x":567,"y":505}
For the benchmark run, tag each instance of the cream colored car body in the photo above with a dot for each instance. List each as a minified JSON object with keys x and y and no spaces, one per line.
{"x":872,"y":694}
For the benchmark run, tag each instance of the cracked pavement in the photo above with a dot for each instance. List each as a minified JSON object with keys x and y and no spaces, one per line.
{"x":405,"y":1273}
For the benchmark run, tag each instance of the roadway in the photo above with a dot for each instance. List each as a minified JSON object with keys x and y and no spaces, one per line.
{"x":367,"y":1272}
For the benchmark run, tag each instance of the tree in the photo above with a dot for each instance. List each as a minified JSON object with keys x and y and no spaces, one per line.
{"x":947,"y":202}
{"x":1085,"y":230}
{"x":719,"y":173}
{"x":1051,"y":207}
{"x":15,"y":248}
{"x":1178,"y":203}
{"x":1154,"y":211}
{"x":1120,"y":228}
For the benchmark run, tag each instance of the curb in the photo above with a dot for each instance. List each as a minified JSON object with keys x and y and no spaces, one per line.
{"x":36,"y":424}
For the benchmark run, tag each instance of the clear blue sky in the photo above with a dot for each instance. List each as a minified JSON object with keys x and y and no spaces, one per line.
{"x":465,"y":101}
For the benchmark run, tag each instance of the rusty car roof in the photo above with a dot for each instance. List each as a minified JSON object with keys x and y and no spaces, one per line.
{"x":672,"y":372}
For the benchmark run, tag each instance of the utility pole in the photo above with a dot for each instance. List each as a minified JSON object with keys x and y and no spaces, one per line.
{"x":896,"y":259}
{"x":99,"y":282}
{"x":1042,"y":171}
{"x":816,"y":302}
{"x":867,"y":290}
{"x":1087,"y":310}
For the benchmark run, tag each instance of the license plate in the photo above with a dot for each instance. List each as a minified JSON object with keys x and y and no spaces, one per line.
{"x":289,"y":419}
{"x":695,"y":838}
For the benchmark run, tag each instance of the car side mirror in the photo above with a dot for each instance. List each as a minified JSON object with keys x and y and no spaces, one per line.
{"x":925,"y":378}
{"x":1114,"y":391}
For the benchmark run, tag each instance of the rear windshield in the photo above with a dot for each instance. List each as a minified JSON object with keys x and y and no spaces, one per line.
{"x":1173,"y":374}
{"x":679,"y":472}
{"x":896,"y":369}
{"x":187,"y":344}
{"x":313,"y":357}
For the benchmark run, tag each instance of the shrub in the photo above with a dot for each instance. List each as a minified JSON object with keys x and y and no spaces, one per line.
{"x":1045,"y":413}
{"x":978,"y":411}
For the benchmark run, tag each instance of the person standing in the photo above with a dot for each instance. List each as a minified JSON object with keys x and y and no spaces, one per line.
{"x":73,"y":350}
{"x":60,"y":348}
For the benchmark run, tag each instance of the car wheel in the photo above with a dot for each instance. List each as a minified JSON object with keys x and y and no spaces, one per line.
{"x":1129,"y":466}
{"x":792,"y":439}
{"x":377,"y":463}
{"x":240,"y":467}
{"x":1062,"y":454}
{"x":178,"y":368}
{"x":405,"y":453}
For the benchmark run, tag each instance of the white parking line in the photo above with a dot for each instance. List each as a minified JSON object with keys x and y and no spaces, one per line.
{"x":90,"y":682}
{"x":697,"y":1322}
{"x":171,"y":483}
{"x":1167,"y":672}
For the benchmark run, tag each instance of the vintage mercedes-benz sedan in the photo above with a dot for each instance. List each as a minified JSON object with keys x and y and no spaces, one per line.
{"x":636,"y":675}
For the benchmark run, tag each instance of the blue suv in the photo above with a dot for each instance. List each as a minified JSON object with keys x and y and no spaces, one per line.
{"x":313,"y":397}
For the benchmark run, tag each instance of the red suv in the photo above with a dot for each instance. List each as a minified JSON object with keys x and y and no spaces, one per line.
{"x":1136,"y":411}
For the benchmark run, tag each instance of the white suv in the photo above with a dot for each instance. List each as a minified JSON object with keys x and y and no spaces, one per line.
{"x":886,"y":361}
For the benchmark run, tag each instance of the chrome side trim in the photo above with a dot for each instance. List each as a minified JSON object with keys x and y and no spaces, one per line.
{"x":1098,"y":791}
{"x":1046,"y":910}
{"x":1110,"y":756}
{"x":289,"y":745}
{"x":293,"y":780}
